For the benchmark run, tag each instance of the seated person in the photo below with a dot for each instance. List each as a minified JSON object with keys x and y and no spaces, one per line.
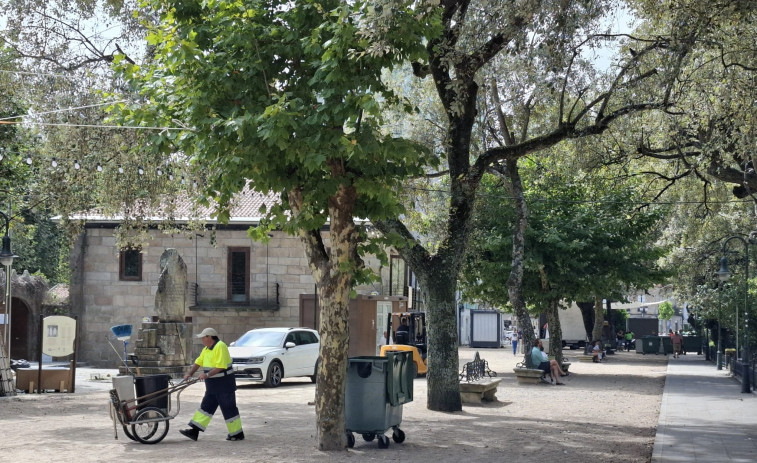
{"x":540,"y":359}
{"x":596,"y":353}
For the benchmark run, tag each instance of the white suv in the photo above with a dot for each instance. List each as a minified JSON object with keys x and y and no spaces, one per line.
{"x":269,"y":355}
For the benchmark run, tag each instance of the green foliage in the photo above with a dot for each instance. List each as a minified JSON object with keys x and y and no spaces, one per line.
{"x":583,"y":238}
{"x":666,"y":311}
{"x":619,"y":318}
{"x":290,"y":98}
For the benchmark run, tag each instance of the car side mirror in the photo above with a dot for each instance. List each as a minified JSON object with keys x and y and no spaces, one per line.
{"x":290,"y":344}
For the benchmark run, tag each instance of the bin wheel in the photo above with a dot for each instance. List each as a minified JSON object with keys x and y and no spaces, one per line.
{"x":383,"y":441}
{"x":398,"y":436}
{"x":350,"y":440}
{"x":368,"y":436}
{"x":150,"y":426}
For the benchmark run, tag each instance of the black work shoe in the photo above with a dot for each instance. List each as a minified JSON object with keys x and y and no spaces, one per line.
{"x":236,"y":437}
{"x":190,"y":432}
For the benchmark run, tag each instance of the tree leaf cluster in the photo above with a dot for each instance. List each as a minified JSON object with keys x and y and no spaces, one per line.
{"x":584,"y":238}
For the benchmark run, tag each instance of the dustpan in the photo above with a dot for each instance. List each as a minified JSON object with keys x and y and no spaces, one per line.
{"x":121,"y":332}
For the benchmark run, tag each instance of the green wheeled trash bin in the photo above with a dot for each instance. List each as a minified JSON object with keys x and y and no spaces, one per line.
{"x":651,"y":344}
{"x":666,"y":345}
{"x":377,"y":387}
{"x":692,"y":344}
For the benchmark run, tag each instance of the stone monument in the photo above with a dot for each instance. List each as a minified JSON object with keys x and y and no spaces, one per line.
{"x":164,"y":342}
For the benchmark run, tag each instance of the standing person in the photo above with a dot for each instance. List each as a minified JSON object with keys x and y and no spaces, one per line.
{"x":621,"y":337}
{"x":220,"y":387}
{"x":384,"y":340}
{"x":514,"y":339}
{"x":629,"y":338}
{"x":677,"y":344}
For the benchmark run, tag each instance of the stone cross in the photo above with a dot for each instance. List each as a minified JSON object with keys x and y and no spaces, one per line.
{"x":171,"y":297}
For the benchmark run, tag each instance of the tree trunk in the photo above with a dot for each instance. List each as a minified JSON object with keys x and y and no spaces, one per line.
{"x":587,"y":313}
{"x":599,"y":318}
{"x":333,"y":271}
{"x":443,"y":360}
{"x":555,"y":330}
{"x":331,"y":379}
{"x":515,"y":280}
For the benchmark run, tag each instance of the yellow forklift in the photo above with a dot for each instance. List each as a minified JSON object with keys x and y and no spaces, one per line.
{"x":409,"y":333}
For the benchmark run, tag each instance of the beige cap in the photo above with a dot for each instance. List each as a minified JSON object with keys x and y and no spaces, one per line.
{"x":207,"y":332}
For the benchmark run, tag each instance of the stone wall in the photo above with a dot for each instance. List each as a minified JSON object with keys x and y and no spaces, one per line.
{"x":102,"y":300}
{"x":27,"y":295}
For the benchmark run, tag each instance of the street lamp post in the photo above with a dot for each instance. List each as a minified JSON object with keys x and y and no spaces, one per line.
{"x":6,"y":259}
{"x":724,"y":274}
{"x":719,"y":356}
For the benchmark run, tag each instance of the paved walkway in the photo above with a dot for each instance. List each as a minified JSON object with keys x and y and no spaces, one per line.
{"x":704,"y":416}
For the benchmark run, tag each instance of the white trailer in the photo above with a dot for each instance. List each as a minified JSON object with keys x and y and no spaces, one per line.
{"x":572,"y":325}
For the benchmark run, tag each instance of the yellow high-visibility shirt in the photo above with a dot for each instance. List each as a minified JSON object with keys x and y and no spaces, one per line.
{"x":215,"y":357}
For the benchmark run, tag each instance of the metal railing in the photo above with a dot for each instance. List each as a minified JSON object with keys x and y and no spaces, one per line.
{"x":476,"y":369}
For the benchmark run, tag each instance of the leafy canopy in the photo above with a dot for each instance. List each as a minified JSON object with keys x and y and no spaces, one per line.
{"x":665,"y":311}
{"x":584,"y":238}
{"x":287,"y":95}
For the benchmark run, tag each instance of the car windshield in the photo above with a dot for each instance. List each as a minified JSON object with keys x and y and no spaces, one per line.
{"x":260,"y":339}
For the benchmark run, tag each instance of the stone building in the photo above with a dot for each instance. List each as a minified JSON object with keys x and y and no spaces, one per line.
{"x":27,"y":296}
{"x":234,"y":284}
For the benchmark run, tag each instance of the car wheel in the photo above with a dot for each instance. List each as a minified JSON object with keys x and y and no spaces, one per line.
{"x":315,"y":371}
{"x":275,"y":375}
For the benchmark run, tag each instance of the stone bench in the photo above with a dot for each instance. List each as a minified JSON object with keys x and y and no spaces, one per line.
{"x":525,"y":374}
{"x":478,"y":382}
{"x":480,"y":390}
{"x":528,"y":375}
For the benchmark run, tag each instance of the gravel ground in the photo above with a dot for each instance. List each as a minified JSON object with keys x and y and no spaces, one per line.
{"x":605,"y":413}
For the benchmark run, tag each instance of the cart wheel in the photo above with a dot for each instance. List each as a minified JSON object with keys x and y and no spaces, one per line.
{"x":368,"y":436}
{"x":383,"y":441}
{"x":128,"y":433}
{"x":350,"y":440}
{"x":150,"y":426}
{"x":398,"y":436}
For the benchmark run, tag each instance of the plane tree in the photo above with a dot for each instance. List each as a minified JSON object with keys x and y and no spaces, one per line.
{"x":515,"y":78}
{"x":585,"y":238}
{"x":286,"y":98}
{"x":512,"y":78}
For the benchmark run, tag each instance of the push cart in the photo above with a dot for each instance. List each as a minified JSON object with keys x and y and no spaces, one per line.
{"x":144,"y":418}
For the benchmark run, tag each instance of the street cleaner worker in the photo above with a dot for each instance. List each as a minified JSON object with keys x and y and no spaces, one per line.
{"x":220,"y":388}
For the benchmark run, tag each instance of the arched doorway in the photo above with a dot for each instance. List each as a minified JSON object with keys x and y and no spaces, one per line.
{"x":21,"y":335}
